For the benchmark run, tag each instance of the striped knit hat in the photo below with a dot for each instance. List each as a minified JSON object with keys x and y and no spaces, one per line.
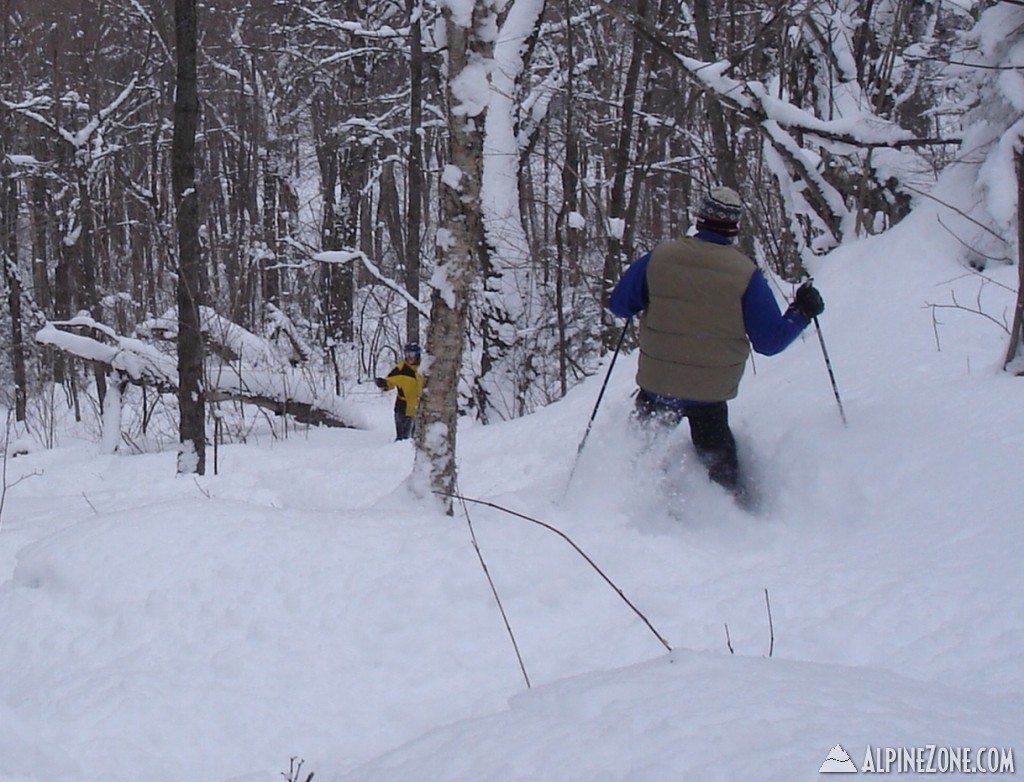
{"x":720,"y":211}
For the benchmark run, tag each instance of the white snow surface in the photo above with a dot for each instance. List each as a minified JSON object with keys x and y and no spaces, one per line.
{"x":303,"y":604}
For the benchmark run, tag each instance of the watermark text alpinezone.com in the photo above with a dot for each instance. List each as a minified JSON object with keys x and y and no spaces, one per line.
{"x":935,"y":759}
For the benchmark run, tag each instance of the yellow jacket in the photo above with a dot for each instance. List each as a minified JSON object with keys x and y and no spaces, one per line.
{"x":407,"y":379}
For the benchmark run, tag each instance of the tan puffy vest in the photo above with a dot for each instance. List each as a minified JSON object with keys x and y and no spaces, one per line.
{"x":693,"y":344}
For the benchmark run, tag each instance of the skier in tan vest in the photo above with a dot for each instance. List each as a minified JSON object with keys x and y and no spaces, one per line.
{"x":702,"y":305}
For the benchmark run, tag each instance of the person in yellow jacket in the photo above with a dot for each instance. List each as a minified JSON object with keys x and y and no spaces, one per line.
{"x":407,"y":379}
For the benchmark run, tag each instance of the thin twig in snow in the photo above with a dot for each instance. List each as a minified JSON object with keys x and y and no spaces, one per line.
{"x":1000,"y":259}
{"x":494,"y":589}
{"x":4,"y":485}
{"x":578,"y":550}
{"x":86,"y":498}
{"x":978,"y":311}
{"x":960,"y":212}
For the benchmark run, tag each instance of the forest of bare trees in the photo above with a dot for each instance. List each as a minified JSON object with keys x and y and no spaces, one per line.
{"x":372,"y":172}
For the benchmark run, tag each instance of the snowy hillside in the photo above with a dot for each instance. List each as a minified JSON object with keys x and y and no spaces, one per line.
{"x":302,"y":604}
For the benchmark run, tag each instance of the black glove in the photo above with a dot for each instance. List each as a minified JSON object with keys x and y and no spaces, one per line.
{"x":381,"y":382}
{"x":808,"y":301}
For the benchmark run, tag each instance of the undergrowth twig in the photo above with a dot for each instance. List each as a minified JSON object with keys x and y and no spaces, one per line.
{"x":578,"y":550}
{"x":494,"y":590}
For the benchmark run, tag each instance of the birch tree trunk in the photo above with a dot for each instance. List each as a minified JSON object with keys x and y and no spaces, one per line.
{"x":191,"y":395}
{"x":459,"y":247}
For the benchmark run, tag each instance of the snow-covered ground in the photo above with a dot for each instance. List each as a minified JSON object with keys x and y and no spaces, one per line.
{"x":302,"y":604}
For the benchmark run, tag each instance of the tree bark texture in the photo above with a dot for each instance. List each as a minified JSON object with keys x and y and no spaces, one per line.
{"x":460,"y":246}
{"x":414,"y":208}
{"x":721,"y":137}
{"x":191,"y":397}
{"x":622,"y":163}
{"x":13,"y":279}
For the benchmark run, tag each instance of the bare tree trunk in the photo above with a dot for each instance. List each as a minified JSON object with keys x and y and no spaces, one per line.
{"x":40,"y":244}
{"x":270,"y":262}
{"x":414,"y":209}
{"x":389,"y":206}
{"x":460,"y":246}
{"x":42,"y":292}
{"x":1013,"y":353}
{"x":191,"y":394}
{"x":63,"y":284}
{"x":336,"y":284}
{"x":13,"y":278}
{"x":566,"y":234}
{"x":622,"y":163}
{"x":87,"y":263}
{"x":355,"y":164}
{"x":725,"y":157}
{"x":9,"y":231}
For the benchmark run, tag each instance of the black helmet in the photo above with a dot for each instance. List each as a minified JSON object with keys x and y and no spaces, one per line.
{"x":413,"y":351}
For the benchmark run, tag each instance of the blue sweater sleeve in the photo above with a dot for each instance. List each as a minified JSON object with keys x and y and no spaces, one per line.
{"x":630,"y":294}
{"x":770,"y":330}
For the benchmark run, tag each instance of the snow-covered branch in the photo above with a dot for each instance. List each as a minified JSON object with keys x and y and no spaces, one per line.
{"x":255,"y":376}
{"x":221,"y":337}
{"x":139,"y":363}
{"x":752,"y":101}
{"x":805,"y":146}
{"x":348,"y":256}
{"x":81,"y":138}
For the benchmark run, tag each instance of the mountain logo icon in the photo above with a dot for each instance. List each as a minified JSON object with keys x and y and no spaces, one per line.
{"x":838,"y":762}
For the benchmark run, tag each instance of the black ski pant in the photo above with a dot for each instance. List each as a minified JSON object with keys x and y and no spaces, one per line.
{"x":709,"y":431}
{"x":404,"y":426}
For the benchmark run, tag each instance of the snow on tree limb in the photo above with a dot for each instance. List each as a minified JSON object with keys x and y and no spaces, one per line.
{"x":751,"y":100}
{"x":255,"y":374}
{"x":792,"y":133}
{"x":347,"y":256}
{"x":82,"y":137}
{"x":224,"y":338}
{"x":140,"y":363}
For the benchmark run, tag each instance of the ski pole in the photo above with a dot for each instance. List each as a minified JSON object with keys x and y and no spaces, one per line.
{"x":831,"y":374}
{"x":597,"y":404}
